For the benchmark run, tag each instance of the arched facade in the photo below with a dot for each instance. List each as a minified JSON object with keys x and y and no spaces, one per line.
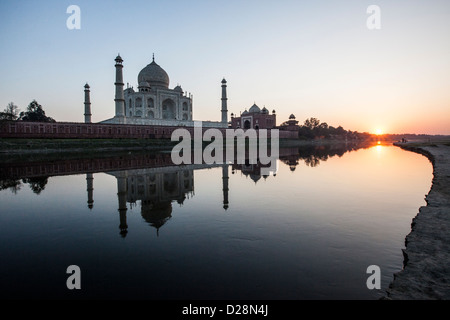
{"x":254,"y":118}
{"x":154,"y":100}
{"x":154,"y":103}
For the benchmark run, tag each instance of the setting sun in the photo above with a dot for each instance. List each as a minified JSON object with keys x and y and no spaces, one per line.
{"x":378,"y":131}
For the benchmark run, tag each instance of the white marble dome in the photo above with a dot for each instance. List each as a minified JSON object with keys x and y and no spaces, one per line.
{"x":154,"y":75}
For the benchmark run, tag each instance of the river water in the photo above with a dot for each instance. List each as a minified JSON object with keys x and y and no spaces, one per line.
{"x":139,"y":227}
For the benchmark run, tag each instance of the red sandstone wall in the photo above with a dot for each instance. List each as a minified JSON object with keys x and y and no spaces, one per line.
{"x":67,"y":130}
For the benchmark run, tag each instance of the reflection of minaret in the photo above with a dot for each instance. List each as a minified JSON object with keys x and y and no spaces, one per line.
{"x":90,"y":189}
{"x":225,"y":185}
{"x":122,"y":196}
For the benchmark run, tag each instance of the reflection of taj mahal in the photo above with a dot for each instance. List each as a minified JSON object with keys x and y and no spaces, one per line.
{"x":156,"y":189}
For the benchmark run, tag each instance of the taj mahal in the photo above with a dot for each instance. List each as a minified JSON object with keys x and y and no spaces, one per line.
{"x":154,"y":103}
{"x":153,"y":111}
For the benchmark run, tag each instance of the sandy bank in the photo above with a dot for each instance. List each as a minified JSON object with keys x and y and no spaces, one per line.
{"x":426,"y":272}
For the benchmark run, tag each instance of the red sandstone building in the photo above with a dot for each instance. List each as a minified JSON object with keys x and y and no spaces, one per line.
{"x":254,"y":118}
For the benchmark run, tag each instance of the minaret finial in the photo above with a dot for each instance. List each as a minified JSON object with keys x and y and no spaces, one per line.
{"x":153,"y":57}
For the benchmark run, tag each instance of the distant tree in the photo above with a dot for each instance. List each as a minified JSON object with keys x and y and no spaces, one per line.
{"x":321,"y":130}
{"x":11,"y":112}
{"x":312,"y":123}
{"x":305,"y":132}
{"x":37,"y":185}
{"x":12,"y":184}
{"x":35,"y":113}
{"x":312,"y":161}
{"x":312,"y":128}
{"x":340,"y":131}
{"x":331,"y":130}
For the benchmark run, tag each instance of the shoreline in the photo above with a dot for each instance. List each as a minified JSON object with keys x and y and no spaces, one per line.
{"x":35,"y":150}
{"x":426,"y":268}
{"x":44,"y":145}
{"x":47,"y":146}
{"x":32,"y":150}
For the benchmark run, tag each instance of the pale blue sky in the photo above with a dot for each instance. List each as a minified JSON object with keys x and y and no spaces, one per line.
{"x":309,"y":58}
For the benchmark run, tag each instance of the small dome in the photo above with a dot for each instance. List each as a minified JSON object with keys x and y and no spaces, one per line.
{"x":291,"y":117}
{"x":245,"y":112}
{"x":154,"y":75}
{"x":264,"y":110}
{"x":86,"y":86}
{"x":254,"y":108}
{"x":255,"y":177}
{"x":178,"y":89}
{"x":144,"y":84}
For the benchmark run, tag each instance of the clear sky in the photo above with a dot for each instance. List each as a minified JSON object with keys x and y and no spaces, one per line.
{"x":310,"y":58}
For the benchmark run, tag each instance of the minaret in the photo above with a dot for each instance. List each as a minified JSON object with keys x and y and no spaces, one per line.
{"x":87,"y":104}
{"x":90,"y":189}
{"x":120,"y":100}
{"x":122,"y":197}
{"x":224,"y":102}
{"x":225,"y":185}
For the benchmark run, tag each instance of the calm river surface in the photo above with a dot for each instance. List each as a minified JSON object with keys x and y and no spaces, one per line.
{"x":141,"y":228}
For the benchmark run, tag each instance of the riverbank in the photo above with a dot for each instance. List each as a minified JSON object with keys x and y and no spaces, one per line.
{"x":18,"y":146}
{"x":21,"y":146}
{"x":426,"y":272}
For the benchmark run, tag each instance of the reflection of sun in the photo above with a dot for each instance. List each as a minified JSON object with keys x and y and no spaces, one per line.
{"x":378,"y":131}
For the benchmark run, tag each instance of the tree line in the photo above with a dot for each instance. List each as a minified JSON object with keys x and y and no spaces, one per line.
{"x":37,"y":185}
{"x":313,"y":128}
{"x":34,"y":113}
